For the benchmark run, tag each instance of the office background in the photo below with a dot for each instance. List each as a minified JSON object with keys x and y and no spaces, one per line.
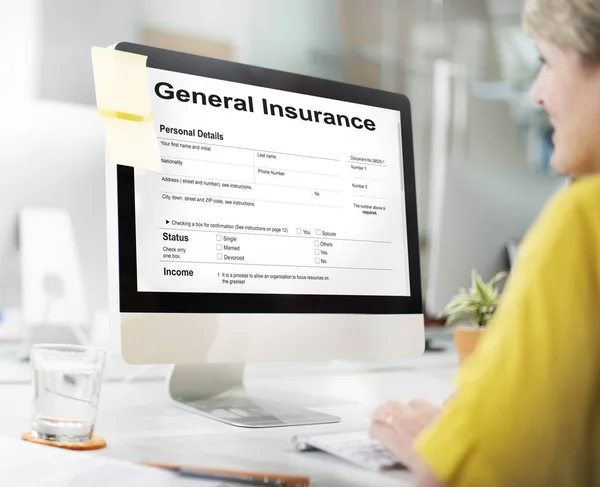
{"x":481,"y":162}
{"x":464,"y":64}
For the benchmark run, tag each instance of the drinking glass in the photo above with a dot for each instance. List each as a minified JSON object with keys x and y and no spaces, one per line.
{"x":66,"y":391}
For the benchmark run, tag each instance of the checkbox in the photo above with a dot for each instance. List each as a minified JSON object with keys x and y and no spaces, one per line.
{"x":299,"y":231}
{"x":317,"y":252}
{"x":317,"y":261}
{"x":318,"y":232}
{"x":219,"y":256}
{"x":219,"y":247}
{"x":218,"y":238}
{"x":316,"y":243}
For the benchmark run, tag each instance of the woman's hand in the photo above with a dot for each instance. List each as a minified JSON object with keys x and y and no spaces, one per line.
{"x":396,"y":425}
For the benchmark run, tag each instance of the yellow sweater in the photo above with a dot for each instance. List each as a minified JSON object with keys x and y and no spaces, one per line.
{"x":527,"y":407}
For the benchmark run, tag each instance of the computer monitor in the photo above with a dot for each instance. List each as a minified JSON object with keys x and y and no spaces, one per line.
{"x":479,"y":213}
{"x":282,"y":227}
{"x":53,"y":157}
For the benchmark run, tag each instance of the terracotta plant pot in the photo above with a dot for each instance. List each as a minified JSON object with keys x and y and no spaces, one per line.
{"x":465,"y":341}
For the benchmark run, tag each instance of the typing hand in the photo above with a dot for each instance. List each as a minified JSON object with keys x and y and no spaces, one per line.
{"x":396,"y":425}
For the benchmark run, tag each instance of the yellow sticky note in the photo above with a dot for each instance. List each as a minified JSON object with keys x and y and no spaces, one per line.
{"x":121,"y":81}
{"x":122,"y":96}
{"x":132,"y":143}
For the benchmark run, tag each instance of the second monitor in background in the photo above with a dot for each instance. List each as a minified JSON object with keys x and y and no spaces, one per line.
{"x":479,"y":213}
{"x":52,"y":161}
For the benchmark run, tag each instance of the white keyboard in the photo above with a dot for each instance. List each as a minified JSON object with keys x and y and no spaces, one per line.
{"x":354,"y":446}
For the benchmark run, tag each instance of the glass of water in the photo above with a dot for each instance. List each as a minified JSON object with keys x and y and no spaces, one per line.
{"x":66,"y":391}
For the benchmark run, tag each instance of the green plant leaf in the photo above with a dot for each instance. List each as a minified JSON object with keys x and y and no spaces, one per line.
{"x":476,"y":304}
{"x":452,"y":319}
{"x":497,"y":278}
{"x":481,"y":290}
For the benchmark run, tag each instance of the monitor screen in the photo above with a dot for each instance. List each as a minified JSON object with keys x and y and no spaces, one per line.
{"x":266,"y":191}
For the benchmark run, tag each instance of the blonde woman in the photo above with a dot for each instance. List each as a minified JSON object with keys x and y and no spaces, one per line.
{"x":526,"y":412}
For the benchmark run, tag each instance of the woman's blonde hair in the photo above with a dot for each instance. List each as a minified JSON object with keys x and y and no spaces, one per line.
{"x":567,"y":23}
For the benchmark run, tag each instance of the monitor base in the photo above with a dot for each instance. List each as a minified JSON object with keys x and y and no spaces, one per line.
{"x":217,"y":391}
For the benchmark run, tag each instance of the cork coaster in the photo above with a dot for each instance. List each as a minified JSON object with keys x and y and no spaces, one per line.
{"x":96,"y":443}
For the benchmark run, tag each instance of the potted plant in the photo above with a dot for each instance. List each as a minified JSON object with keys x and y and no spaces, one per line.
{"x":473,"y":308}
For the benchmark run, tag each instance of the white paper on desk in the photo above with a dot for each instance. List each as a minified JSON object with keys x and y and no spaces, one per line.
{"x":28,"y":465}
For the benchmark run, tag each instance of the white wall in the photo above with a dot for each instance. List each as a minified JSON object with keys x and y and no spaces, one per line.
{"x":20,"y":22}
{"x":286,"y":35}
{"x":45,"y":45}
{"x":271,"y":33}
{"x":492,"y":130}
{"x":224,"y":21}
{"x":68,"y":30}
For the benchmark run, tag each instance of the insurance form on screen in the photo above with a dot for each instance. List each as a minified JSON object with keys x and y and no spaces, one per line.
{"x":270,"y":192}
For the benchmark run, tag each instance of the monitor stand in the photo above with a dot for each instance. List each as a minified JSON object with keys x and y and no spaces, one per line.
{"x":217,"y":391}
